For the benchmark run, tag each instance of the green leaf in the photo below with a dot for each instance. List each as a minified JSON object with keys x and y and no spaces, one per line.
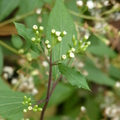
{"x":96,"y":75}
{"x":3,"y":86}
{"x":17,"y":42}
{"x":74,"y":77}
{"x":60,"y":20}
{"x":17,"y":116}
{"x":99,"y":48}
{"x":11,"y":103}
{"x":27,"y":34}
{"x":114,"y":72}
{"x":6,"y":8}
{"x":1,"y":60}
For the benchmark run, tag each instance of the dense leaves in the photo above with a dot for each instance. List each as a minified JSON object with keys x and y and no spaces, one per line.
{"x":1,"y":60}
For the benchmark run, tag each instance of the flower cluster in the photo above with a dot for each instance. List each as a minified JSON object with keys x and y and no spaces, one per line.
{"x":27,"y":101}
{"x":76,"y":48}
{"x":38,"y":32}
{"x":57,"y":37}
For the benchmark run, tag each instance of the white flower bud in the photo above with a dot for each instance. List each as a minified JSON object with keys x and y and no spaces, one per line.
{"x":41,"y":28}
{"x":83,"y":109}
{"x":71,"y":55}
{"x":58,"y":33}
{"x":90,"y":4}
{"x":86,"y":37}
{"x":33,"y":39}
{"x":21,"y":51}
{"x":35,"y":27}
{"x":59,"y":39}
{"x":64,"y":57}
{"x":37,"y":33}
{"x":64,"y":33}
{"x":53,"y":31}
{"x":30,"y":108}
{"x":73,"y":49}
{"x":38,"y":11}
{"x":88,"y":43}
{"x":117,"y":84}
{"x":25,"y":110}
{"x":48,"y":46}
{"x":79,"y":3}
{"x":47,"y":42}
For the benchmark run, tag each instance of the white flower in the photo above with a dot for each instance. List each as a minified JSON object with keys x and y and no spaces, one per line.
{"x":86,"y":36}
{"x":14,"y":81}
{"x":59,"y":39}
{"x":83,"y":109}
{"x":117,"y":85}
{"x":79,"y":3}
{"x":58,"y":33}
{"x":47,"y":42}
{"x":38,"y":11}
{"x":64,"y":33}
{"x":35,"y":27}
{"x":34,"y":91}
{"x":48,"y":46}
{"x":88,"y":43}
{"x":64,"y":57}
{"x":45,"y":63}
{"x":71,"y":55}
{"x":30,"y":108}
{"x":90,"y":4}
{"x":25,"y":110}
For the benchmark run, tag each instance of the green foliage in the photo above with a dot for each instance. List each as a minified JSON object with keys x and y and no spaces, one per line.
{"x":27,"y":34}
{"x":3,"y":86}
{"x":17,"y":42}
{"x":6,"y":8}
{"x":1,"y":60}
{"x":96,"y":75}
{"x":10,"y":103}
{"x":74,"y":77}
{"x":16,"y":116}
{"x":60,"y":20}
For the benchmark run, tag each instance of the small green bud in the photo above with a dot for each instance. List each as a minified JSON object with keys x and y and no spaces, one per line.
{"x":29,"y":56}
{"x":47,"y":42}
{"x":26,"y":102}
{"x":63,"y":33}
{"x":29,"y":99}
{"x":38,"y":40}
{"x":64,"y":57}
{"x":88,"y":43}
{"x":69,"y":51}
{"x":23,"y":103}
{"x":37,"y":33}
{"x":36,"y":106}
{"x":74,"y":43}
{"x":48,"y":46}
{"x":73,"y":49}
{"x":21,"y":51}
{"x":39,"y":109}
{"x":25,"y":98}
{"x":34,"y":110}
{"x":73,"y":38}
{"x":29,"y":104}
{"x":41,"y":28}
{"x":59,"y":39}
{"x":24,"y":110}
{"x":86,"y":37}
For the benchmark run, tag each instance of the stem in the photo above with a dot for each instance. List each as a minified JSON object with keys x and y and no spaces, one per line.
{"x":9,"y":48}
{"x":48,"y":90}
{"x":17,"y":18}
{"x":85,"y":16}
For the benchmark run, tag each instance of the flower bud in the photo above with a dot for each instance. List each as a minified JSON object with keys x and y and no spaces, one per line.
{"x":38,"y":40}
{"x":57,"y":33}
{"x":24,"y":110}
{"x":39,"y":109}
{"x":29,"y":99}
{"x":63,"y":33}
{"x":88,"y":43}
{"x":73,"y":49}
{"x":36,"y":106}
{"x":53,"y":32}
{"x":37,"y":33}
{"x":47,"y":42}
{"x":30,"y":108}
{"x":35,"y":27}
{"x":48,"y":46}
{"x":79,"y":3}
{"x":59,"y":39}
{"x":21,"y":51}
{"x":73,"y":38}
{"x":34,"y":110}
{"x":25,"y":98}
{"x":74,"y":43}
{"x":64,"y":57}
{"x":71,"y":55}
{"x":33,"y":39}
{"x":41,"y":28}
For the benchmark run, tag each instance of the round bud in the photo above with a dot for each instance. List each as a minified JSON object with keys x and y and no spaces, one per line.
{"x":37,"y":33}
{"x":34,"y":110}
{"x":48,"y":46}
{"x":86,"y":37}
{"x":53,"y":31}
{"x":73,"y":38}
{"x":117,"y":85}
{"x":79,"y":3}
{"x":23,"y":103}
{"x":47,"y":42}
{"x":63,"y":33}
{"x":71,"y":55}
{"x":83,"y":109}
{"x":64,"y":57}
{"x":38,"y":40}
{"x":33,"y":39}
{"x":74,"y":43}
{"x":29,"y":56}
{"x":73,"y":49}
{"x":41,"y":28}
{"x":38,"y":11}
{"x":59,"y":39}
{"x":29,"y":99}
{"x":69,"y":51}
{"x":30,"y":108}
{"x":25,"y":98}
{"x":26,"y":102}
{"x":35,"y":27}
{"x":36,"y":106}
{"x":57,"y":33}
{"x":24,"y":110}
{"x":88,"y":43}
{"x":39,"y":109}
{"x":29,"y":104}
{"x":21,"y":51}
